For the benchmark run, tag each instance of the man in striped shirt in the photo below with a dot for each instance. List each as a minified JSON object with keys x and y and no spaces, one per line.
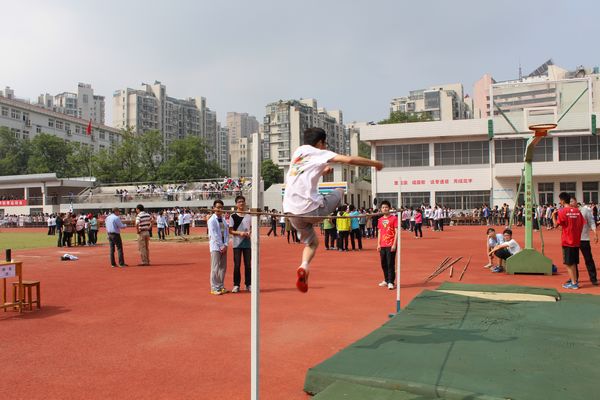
{"x":143,"y":222}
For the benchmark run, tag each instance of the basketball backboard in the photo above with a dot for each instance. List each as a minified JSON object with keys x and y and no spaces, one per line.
{"x":517,"y":105}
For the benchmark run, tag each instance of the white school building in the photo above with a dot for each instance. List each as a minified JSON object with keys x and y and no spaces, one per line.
{"x":453,"y":163}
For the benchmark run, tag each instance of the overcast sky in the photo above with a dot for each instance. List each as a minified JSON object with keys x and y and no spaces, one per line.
{"x":242,"y":54}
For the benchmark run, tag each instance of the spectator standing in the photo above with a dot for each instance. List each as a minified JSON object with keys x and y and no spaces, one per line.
{"x":571,"y":221}
{"x":355,"y":228}
{"x":218,"y":235}
{"x":240,"y":228}
{"x":343,"y":228}
{"x":386,"y":244}
{"x":80,"y":228}
{"x":93,"y":236}
{"x":113,"y":226}
{"x":584,"y":246}
{"x":161,"y":224}
{"x":330,"y":233}
{"x":418,"y":223}
{"x":68,"y":229}
{"x":59,"y":229}
{"x":143,"y":223}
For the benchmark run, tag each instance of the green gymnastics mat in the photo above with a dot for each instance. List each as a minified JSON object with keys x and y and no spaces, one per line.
{"x":444,"y":345}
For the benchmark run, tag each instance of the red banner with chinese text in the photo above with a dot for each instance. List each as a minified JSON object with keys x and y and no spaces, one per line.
{"x":10,"y":203}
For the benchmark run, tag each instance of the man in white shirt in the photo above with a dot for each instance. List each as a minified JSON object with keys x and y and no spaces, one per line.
{"x":584,"y":246}
{"x":302,"y":199}
{"x":504,"y":250}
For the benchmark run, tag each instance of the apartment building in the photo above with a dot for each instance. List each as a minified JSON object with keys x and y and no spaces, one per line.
{"x":150,"y":108}
{"x":241,"y":126}
{"x":438,"y":103}
{"x":83,"y":104}
{"x":222,"y":153}
{"x":26,"y":121}
{"x":285,"y":122}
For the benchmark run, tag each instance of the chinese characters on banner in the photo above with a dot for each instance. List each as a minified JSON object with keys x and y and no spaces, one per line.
{"x":443,"y":181}
{"x":13,"y":202}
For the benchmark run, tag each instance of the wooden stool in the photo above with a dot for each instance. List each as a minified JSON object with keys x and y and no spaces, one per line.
{"x":28,"y":300}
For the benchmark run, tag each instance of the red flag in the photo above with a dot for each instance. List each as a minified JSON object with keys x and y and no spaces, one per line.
{"x":89,"y":128}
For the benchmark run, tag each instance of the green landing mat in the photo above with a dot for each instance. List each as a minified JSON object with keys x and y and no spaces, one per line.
{"x":352,"y":391}
{"x":449,"y":346}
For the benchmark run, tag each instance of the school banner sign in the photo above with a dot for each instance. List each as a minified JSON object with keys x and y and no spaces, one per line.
{"x":9,"y":203}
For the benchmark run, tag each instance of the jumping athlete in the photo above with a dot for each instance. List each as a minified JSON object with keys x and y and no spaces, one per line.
{"x":302,"y":199}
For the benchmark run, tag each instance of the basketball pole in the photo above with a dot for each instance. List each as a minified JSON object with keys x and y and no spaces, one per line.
{"x":254,"y":295}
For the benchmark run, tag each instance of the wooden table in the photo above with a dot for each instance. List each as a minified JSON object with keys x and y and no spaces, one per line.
{"x":6,"y":273}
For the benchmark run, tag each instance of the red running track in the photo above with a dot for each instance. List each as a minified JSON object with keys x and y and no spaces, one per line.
{"x":156,"y":332}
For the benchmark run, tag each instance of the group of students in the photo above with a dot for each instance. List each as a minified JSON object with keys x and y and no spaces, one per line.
{"x":576,"y":223}
{"x":220,"y":228}
{"x":69,"y":226}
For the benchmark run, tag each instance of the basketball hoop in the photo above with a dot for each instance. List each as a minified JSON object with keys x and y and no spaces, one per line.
{"x":541,"y":130}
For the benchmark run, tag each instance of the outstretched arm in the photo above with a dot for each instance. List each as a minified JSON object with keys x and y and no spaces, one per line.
{"x":356,"y":160}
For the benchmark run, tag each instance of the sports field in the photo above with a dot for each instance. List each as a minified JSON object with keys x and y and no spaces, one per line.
{"x":156,"y":332}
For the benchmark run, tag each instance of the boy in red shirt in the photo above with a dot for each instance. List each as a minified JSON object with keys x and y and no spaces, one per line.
{"x":386,"y":244}
{"x":571,"y":221}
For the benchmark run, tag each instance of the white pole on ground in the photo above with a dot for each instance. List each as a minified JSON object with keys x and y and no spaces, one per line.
{"x":254,"y":298}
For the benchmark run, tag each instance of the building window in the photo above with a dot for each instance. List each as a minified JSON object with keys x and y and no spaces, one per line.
{"x":590,"y":192}
{"x":102,"y":135}
{"x":404,"y":155}
{"x":415,"y":199}
{"x":59,"y":125}
{"x":38,"y":129}
{"x":569,"y":187}
{"x":546,"y":193}
{"x":577,"y":148}
{"x":50,"y":122}
{"x":462,"y":153}
{"x":392,"y":197}
{"x":16,"y":114}
{"x":513,"y":150}
{"x":466,"y":200}
{"x":4,"y":111}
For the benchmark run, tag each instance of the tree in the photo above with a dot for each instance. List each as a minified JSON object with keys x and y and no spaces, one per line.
{"x":127,"y":157}
{"x":49,"y":154}
{"x":187,"y":160}
{"x":14,"y":153}
{"x":399,"y":117}
{"x":80,"y":160}
{"x":105,"y":166}
{"x":152,"y":153}
{"x":271,"y":173}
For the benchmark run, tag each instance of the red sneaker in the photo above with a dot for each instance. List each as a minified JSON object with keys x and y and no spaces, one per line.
{"x":302,"y":281}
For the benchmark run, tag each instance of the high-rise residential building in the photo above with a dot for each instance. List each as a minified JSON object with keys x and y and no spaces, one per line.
{"x":241,"y":126}
{"x":285,"y":122}
{"x":439,"y":103}
{"x":149,"y":108}
{"x":84,"y":104}
{"x":223,"y":148}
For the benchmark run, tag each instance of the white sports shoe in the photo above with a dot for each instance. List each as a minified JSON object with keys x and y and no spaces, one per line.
{"x":383,"y":283}
{"x":235,"y":289}
{"x":390,"y":286}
